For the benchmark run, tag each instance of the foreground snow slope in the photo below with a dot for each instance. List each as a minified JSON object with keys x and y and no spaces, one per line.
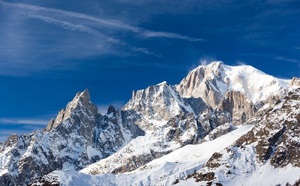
{"x":162,"y":171}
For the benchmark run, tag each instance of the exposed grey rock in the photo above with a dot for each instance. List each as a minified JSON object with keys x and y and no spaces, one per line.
{"x":202,"y":83}
{"x":158,"y":102}
{"x":81,"y":102}
{"x":238,"y":106}
{"x":295,"y":82}
{"x":274,"y":140}
{"x":77,"y":137}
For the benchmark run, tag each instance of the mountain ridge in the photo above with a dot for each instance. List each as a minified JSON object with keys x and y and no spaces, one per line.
{"x":211,"y":101}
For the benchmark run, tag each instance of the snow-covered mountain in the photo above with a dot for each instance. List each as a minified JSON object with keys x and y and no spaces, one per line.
{"x":211,"y":82}
{"x":77,"y":137}
{"x":167,"y":134}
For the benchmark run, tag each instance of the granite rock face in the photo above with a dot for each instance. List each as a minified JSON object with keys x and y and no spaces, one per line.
{"x":77,"y":137}
{"x":273,"y":140}
{"x":238,"y":106}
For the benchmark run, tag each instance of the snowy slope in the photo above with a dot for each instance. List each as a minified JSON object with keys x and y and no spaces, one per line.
{"x":178,"y":165}
{"x":162,"y":171}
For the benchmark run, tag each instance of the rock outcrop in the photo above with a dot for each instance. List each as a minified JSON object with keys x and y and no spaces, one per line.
{"x":295,"y":82}
{"x":273,"y":141}
{"x":238,"y":106}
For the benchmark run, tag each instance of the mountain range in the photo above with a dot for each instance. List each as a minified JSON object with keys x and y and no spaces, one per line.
{"x":221,"y":125}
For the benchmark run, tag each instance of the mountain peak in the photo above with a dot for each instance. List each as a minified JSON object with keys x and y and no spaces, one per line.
{"x":85,"y":93}
{"x":83,"y":96}
{"x":213,"y":65}
{"x":81,"y":102}
{"x":162,"y":83}
{"x":212,"y":81}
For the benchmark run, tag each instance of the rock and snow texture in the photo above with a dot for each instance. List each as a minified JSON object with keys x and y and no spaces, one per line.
{"x":161,"y":171}
{"x":211,"y":82}
{"x":77,"y":137}
{"x":163,"y":135}
{"x":263,"y":153}
{"x":267,"y":155}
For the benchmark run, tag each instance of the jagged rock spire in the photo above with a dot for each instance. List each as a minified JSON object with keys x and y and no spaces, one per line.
{"x":80,"y":102}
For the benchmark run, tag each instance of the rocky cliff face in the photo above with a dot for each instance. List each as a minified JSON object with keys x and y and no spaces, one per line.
{"x":237,"y":106}
{"x":77,"y":137}
{"x":155,"y":104}
{"x":205,"y":82}
{"x":212,"y":82}
{"x":210,"y":102}
{"x":274,"y":141}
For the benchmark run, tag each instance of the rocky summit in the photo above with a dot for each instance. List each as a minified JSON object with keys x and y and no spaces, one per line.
{"x":221,"y":125}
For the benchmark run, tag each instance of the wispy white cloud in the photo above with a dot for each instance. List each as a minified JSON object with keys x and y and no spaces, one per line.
{"x":21,"y":125}
{"x":148,"y":33}
{"x":24,"y":121}
{"x":29,"y":48}
{"x":74,"y":27}
{"x":287,"y":59}
{"x":37,"y":11}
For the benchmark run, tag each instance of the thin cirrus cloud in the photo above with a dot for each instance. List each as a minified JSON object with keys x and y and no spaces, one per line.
{"x":90,"y":31}
{"x":99,"y":36}
{"x":74,"y":27}
{"x":20,"y":126}
{"x":287,"y":59}
{"x":42,"y":13}
{"x":24,"y":121}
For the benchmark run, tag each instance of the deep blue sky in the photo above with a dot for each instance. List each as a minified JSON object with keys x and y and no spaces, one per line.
{"x":49,"y":50}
